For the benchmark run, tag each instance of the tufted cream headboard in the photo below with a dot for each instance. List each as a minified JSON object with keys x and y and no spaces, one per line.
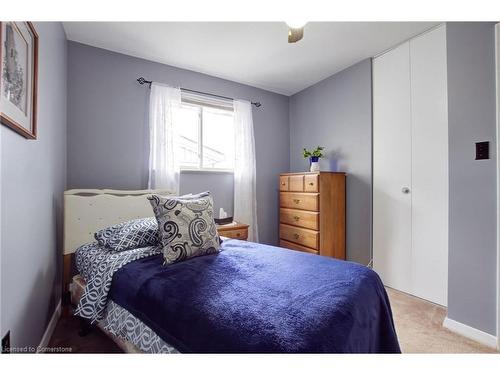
{"x":88,"y":210}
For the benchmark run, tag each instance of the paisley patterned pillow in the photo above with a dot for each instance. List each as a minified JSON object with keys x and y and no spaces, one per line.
{"x":186,"y":226}
{"x":129,"y":235}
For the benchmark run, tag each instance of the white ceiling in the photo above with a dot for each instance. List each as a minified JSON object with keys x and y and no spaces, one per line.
{"x":253,"y":53}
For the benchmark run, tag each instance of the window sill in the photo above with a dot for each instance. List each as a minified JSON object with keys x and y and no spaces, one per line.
{"x":206,"y":170}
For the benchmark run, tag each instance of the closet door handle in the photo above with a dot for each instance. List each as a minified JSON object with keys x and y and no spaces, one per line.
{"x":405,"y":190}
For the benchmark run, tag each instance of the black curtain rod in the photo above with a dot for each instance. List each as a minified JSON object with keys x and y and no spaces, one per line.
{"x":142,"y":81}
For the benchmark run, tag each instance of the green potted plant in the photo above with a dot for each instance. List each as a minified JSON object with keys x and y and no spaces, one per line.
{"x":314,"y":157}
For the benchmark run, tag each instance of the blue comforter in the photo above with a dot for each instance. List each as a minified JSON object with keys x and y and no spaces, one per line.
{"x":252,"y":298}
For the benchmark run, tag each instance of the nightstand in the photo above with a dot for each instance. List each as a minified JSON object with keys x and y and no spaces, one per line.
{"x":234,"y":230}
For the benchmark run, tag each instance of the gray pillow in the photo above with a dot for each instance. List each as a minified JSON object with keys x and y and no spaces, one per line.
{"x":128,"y":235}
{"x":186,"y":226}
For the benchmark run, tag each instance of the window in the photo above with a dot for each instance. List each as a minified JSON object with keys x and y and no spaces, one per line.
{"x":206,"y":137}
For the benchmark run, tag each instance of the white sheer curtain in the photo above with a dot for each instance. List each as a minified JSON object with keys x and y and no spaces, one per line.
{"x":163,"y":160}
{"x":245,"y":202}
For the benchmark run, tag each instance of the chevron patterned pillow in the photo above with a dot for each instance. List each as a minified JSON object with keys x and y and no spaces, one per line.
{"x":129,"y":235}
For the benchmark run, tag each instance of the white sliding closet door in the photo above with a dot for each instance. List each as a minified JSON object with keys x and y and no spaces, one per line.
{"x":429,"y":103}
{"x":392,"y":168}
{"x":410,"y":167}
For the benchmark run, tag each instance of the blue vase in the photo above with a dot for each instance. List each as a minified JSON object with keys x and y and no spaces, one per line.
{"x":314,"y":163}
{"x":313,"y":159}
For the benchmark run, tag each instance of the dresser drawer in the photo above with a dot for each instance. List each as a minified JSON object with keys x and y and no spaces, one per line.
{"x":305,"y":237}
{"x":239,"y":234}
{"x":301,"y":201}
{"x":294,"y":246}
{"x":311,"y":183}
{"x":283,"y":183}
{"x":296,"y":183}
{"x":300,"y":218}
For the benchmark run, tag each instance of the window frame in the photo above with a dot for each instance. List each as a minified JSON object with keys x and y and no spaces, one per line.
{"x":201,"y":107}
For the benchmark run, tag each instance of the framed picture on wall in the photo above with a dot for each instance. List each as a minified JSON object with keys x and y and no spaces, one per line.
{"x":19,"y":77}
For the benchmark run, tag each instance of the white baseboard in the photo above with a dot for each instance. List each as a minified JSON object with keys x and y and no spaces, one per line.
{"x":50,"y":328}
{"x":471,"y":333}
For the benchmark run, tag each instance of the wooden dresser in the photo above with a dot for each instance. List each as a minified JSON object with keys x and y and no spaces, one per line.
{"x":312,"y":212}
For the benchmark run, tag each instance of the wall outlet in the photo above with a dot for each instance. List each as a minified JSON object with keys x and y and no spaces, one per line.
{"x":6,"y":343}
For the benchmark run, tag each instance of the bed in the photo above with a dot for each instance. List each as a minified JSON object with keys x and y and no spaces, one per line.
{"x":249,"y":298}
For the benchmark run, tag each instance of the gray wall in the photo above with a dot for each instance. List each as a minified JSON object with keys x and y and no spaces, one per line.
{"x":337,"y":113}
{"x":108,"y":133}
{"x":220,"y":184}
{"x":33,"y":177}
{"x":472,"y":204}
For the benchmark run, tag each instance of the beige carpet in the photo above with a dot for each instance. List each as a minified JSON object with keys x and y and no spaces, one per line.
{"x":419,"y":325}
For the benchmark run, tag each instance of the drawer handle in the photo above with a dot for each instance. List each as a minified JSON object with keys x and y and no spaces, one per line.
{"x":296,"y":236}
{"x":311,"y":183}
{"x":296,"y":218}
{"x":296,"y":201}
{"x":238,"y":234}
{"x":282,"y":184}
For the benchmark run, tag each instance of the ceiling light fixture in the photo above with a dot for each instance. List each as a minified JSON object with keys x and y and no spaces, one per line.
{"x":295,"y":31}
{"x":296,"y":24}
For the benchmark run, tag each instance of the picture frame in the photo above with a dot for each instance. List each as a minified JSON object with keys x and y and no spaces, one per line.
{"x":19,"y":77}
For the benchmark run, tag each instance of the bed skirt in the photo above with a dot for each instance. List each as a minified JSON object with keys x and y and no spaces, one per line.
{"x":128,"y":332}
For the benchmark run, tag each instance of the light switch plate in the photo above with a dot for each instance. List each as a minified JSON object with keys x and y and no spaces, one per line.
{"x":482,"y":150}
